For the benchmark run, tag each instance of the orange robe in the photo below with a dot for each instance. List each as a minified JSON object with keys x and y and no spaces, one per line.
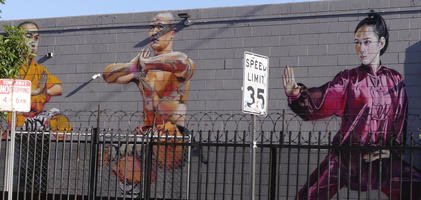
{"x":34,"y":73}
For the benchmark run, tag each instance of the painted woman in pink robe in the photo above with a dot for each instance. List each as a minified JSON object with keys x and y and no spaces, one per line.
{"x":372,"y":103}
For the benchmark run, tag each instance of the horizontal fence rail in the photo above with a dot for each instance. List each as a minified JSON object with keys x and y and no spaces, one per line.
{"x":208,"y":159}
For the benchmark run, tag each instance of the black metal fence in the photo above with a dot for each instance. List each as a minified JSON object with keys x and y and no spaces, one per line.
{"x":209,"y":158}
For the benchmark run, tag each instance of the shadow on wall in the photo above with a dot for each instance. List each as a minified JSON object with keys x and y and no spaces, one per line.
{"x":412,"y":67}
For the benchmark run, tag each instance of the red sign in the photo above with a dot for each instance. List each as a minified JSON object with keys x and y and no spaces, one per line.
{"x":15,"y":95}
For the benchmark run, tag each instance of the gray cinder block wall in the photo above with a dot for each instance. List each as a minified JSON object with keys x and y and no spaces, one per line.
{"x":314,"y":37}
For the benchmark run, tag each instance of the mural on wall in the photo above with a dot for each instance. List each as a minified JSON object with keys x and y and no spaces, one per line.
{"x":372,"y":102}
{"x":44,"y":86}
{"x":163,"y":77}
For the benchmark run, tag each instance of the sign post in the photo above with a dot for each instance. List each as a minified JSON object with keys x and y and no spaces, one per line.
{"x":15,"y":96}
{"x":255,"y":100}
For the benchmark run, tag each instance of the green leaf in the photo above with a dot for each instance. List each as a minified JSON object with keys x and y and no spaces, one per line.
{"x":13,"y":51}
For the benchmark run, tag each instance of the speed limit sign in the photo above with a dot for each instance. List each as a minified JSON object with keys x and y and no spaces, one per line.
{"x":255,"y":83}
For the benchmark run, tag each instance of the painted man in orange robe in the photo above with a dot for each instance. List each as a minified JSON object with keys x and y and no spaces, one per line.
{"x":44,"y":84}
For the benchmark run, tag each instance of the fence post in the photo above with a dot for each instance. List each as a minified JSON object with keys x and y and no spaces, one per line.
{"x":150,"y":139}
{"x":148,"y":163}
{"x":94,"y":158}
{"x":273,"y":172}
{"x":92,"y":164}
{"x":273,"y":161}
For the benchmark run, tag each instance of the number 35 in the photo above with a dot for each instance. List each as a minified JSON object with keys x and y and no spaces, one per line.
{"x":260,"y":93}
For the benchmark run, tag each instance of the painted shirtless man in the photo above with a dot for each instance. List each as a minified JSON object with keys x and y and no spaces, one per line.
{"x":163,"y":79}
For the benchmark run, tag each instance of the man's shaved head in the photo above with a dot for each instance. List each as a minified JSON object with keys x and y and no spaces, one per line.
{"x":164,"y":18}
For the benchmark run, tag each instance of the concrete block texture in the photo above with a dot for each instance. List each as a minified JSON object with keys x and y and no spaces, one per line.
{"x":379,"y":3}
{"x":316,"y":38}
{"x":319,"y":6}
{"x":401,"y":3}
{"x":316,"y":35}
{"x":398,"y":24}
{"x":338,"y":5}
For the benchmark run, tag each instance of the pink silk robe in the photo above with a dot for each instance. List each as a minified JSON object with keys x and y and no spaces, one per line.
{"x":373,"y":109}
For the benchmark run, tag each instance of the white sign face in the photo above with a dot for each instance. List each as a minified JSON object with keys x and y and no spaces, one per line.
{"x":15,"y":95}
{"x":255,"y":83}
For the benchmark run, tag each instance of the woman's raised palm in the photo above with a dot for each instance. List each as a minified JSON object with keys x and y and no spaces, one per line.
{"x":290,"y":86}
